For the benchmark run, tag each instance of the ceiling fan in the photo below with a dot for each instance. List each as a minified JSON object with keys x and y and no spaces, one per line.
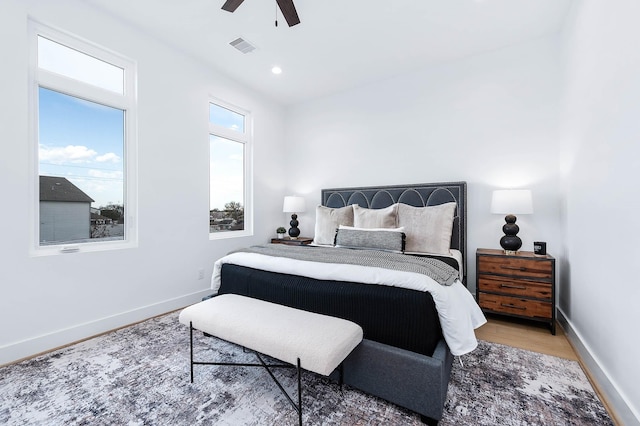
{"x":286,"y":7}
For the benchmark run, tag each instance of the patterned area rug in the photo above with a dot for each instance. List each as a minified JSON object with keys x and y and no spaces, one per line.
{"x":139,"y":375}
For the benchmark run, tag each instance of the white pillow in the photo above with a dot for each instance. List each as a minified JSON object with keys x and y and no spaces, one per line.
{"x":375,"y":218}
{"x":328,"y":220}
{"x":428,"y":229}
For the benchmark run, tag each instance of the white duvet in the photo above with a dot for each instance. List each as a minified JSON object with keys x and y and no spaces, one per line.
{"x":458,"y":312}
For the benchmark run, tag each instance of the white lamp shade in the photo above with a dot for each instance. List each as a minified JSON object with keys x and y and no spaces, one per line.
{"x":512,"y":201}
{"x":293,"y":204}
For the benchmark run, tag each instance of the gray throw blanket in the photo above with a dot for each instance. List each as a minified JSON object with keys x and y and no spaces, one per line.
{"x":434,"y":268}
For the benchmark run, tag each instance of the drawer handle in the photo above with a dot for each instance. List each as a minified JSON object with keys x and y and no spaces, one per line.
{"x":515,"y":268}
{"x":509,"y":305}
{"x":517,"y":287}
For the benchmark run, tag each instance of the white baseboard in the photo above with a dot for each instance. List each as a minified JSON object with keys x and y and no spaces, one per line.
{"x":33,"y":346}
{"x":624,"y":412}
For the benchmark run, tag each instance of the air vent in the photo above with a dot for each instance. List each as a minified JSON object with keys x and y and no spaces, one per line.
{"x":242,"y":45}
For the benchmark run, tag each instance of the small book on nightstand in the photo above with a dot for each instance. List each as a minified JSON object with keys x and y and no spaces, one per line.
{"x":300,"y":241}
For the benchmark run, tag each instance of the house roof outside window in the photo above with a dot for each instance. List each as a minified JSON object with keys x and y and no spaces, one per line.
{"x":54,"y":188}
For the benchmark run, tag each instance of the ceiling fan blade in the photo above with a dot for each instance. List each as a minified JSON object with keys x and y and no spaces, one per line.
{"x":288,"y":11}
{"x":232,"y":5}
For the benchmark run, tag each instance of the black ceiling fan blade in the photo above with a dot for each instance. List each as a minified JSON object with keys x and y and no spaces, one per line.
{"x":232,"y":5}
{"x":288,"y":11}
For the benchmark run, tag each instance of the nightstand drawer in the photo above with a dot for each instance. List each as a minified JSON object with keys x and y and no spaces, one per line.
{"x":515,"y":306}
{"x":512,"y":266}
{"x":514,"y":287}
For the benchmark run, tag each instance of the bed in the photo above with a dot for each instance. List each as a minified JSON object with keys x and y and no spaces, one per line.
{"x":417,"y":317}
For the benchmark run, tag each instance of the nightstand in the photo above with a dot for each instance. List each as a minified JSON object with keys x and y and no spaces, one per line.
{"x":300,"y":241}
{"x":520,"y":285}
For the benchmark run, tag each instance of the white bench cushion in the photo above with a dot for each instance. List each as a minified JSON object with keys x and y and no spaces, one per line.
{"x":321,"y":342}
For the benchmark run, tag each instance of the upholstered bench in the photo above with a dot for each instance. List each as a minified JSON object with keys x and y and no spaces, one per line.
{"x":304,"y":340}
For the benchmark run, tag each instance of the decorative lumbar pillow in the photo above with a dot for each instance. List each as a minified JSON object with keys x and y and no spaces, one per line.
{"x":388,"y":239}
{"x":428,"y":228}
{"x":327,"y":222}
{"x":375,"y":218}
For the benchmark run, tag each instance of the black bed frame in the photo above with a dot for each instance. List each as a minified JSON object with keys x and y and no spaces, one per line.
{"x":414,"y":381}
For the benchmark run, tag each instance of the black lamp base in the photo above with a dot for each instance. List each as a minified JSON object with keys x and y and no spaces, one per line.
{"x":294,"y":232}
{"x":510,"y":242}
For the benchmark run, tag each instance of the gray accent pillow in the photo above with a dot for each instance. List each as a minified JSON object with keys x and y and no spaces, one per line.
{"x":387,"y":239}
{"x":428,"y":228}
{"x":327,"y":222}
{"x":375,"y":218}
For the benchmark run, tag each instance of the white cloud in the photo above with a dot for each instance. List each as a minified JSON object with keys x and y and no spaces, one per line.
{"x":68,"y":154}
{"x":116,"y":174}
{"x":104,"y":192}
{"x":110,"y":157}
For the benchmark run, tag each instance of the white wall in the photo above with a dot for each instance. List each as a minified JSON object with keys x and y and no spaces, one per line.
{"x":53,"y":300}
{"x":601,"y":171}
{"x":490,"y":120}
{"x":559,"y":116}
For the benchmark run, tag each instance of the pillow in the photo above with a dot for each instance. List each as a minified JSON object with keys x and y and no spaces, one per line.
{"x":327,"y":221}
{"x":375,"y":218}
{"x":428,"y":228}
{"x":388,"y":239}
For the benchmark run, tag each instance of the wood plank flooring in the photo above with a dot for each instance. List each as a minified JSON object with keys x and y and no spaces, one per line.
{"x":528,"y":335}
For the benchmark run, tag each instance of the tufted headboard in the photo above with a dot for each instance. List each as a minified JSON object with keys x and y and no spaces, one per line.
{"x":418,"y":195}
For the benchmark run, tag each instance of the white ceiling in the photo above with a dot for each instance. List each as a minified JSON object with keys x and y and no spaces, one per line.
{"x":339,"y":44}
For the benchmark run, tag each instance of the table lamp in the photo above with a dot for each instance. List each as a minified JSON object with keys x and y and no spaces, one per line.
{"x":511,"y":202}
{"x":294,"y":205}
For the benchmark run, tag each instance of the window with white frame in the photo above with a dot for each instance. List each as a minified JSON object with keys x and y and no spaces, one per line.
{"x":229,"y":171}
{"x":83,"y":124}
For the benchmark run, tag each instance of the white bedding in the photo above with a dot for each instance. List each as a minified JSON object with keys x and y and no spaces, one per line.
{"x":458,"y":312}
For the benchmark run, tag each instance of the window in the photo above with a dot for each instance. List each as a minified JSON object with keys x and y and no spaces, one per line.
{"x":83,"y":110}
{"x":229,"y":171}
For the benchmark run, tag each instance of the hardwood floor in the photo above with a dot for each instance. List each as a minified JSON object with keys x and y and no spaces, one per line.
{"x":536,"y":337}
{"x":528,"y":335}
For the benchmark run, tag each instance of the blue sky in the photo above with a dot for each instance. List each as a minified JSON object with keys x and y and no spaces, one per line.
{"x":226,"y":172}
{"x":84,"y":142}
{"x":226,"y":159}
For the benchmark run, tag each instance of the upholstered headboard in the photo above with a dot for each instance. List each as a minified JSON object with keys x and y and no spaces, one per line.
{"x":418,"y":195}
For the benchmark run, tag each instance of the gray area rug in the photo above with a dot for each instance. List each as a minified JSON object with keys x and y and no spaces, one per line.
{"x":139,"y":375}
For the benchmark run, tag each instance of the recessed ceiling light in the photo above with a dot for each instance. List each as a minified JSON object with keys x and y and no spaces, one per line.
{"x":276,"y":70}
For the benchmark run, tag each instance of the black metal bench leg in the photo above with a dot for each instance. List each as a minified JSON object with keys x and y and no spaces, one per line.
{"x":191,"y":348}
{"x":299,"y":393}
{"x":262,"y":364}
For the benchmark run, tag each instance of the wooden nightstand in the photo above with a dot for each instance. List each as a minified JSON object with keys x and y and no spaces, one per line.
{"x":300,"y":241}
{"x":521,"y":285}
